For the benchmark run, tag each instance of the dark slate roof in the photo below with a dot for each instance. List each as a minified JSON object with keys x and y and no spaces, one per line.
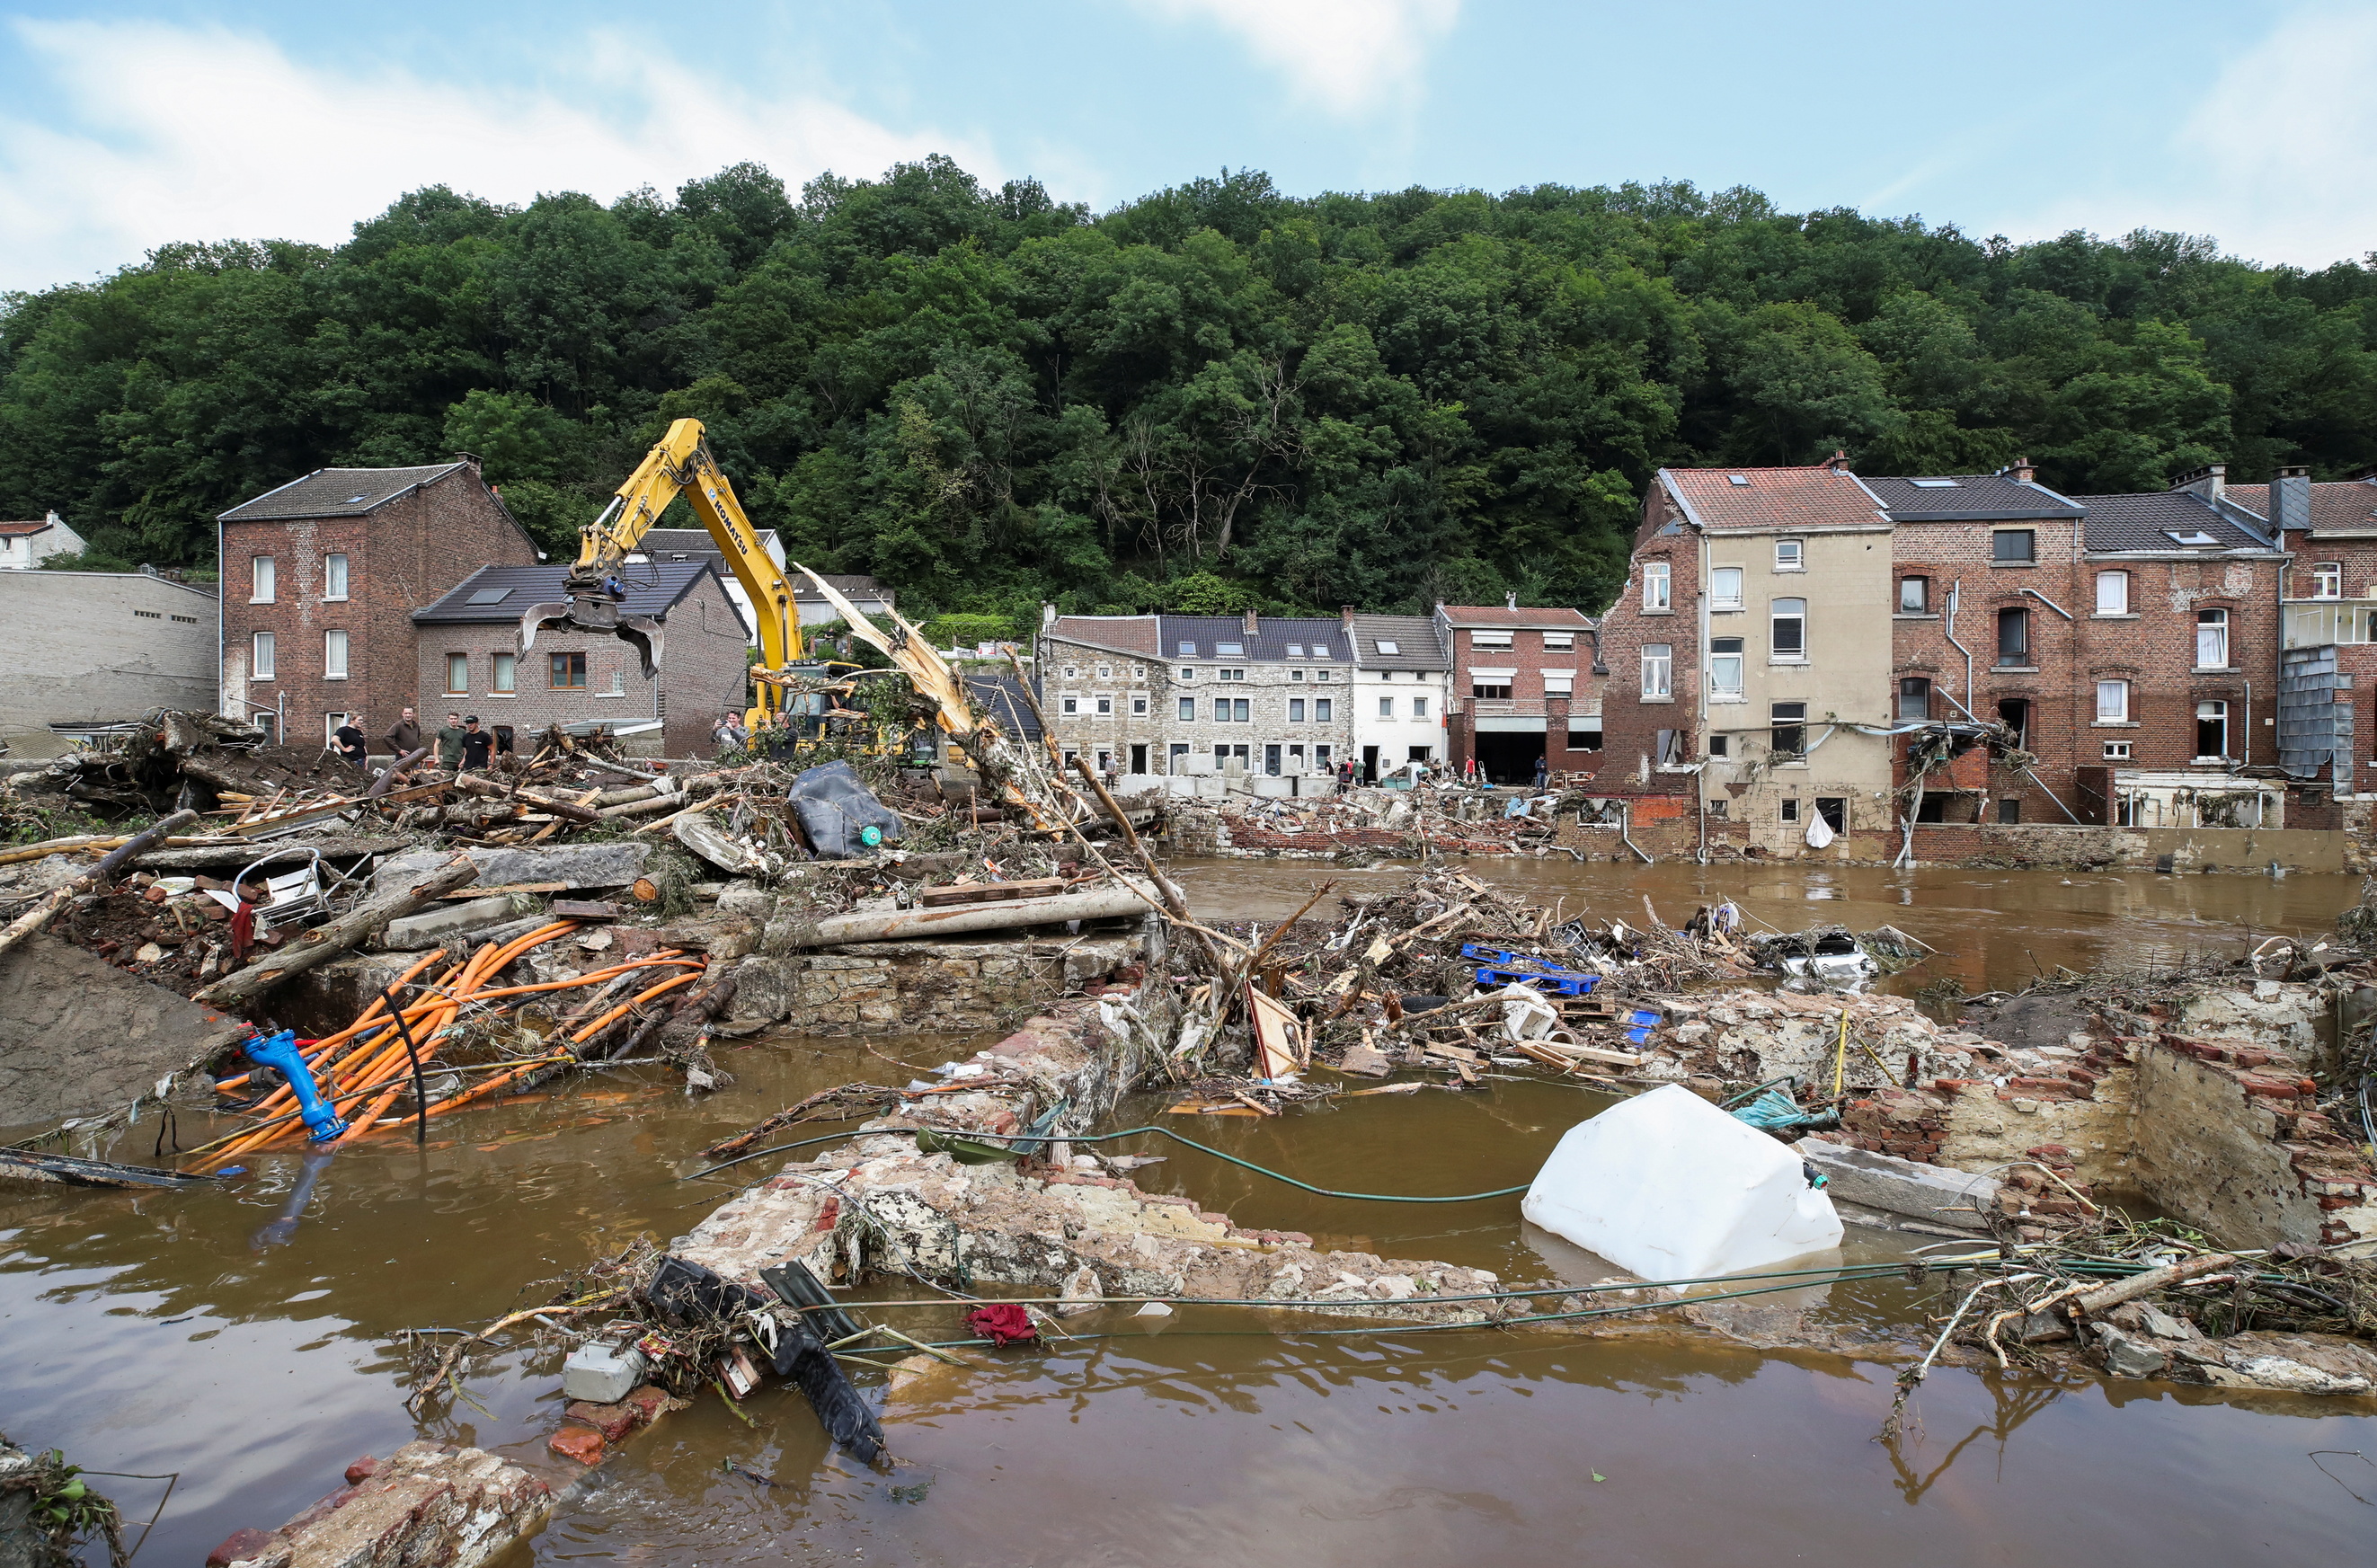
{"x":1267,"y":644}
{"x":1417,"y":646}
{"x":1968,"y":497}
{"x":2148,"y":522}
{"x":653,"y":588}
{"x":337,"y":492}
{"x":697,"y":542}
{"x":1001,"y":698}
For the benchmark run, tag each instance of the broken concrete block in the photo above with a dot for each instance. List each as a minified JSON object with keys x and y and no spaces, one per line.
{"x":749,"y":900}
{"x":2128,"y":1357}
{"x":2162,"y":1325}
{"x":127,"y":1034}
{"x":1928,"y":1192}
{"x":609,"y":865}
{"x":433,"y":927}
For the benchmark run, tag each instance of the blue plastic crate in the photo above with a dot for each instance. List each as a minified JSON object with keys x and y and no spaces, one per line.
{"x":1560,"y":985}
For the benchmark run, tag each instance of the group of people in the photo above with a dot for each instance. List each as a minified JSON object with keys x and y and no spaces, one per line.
{"x":1470,"y":775}
{"x":462,"y":745}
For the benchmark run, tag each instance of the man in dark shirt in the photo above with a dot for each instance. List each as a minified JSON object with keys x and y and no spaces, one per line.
{"x":449,"y":744}
{"x":477,"y":743}
{"x":348,"y":738}
{"x":404,"y":735}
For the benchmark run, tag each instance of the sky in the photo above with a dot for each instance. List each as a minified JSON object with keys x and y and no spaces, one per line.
{"x":130,"y":125}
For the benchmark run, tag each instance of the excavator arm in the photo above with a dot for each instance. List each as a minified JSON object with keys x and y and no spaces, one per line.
{"x":680,"y":464}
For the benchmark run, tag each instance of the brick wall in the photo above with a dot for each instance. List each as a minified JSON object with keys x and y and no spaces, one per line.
{"x":399,"y":556}
{"x":1629,"y":725}
{"x":703,"y":666}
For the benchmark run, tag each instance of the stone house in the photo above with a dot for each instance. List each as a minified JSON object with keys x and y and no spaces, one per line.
{"x":468,"y":661}
{"x":24,"y":545}
{"x":1198,"y":694}
{"x":91,"y":647}
{"x":1523,"y":688}
{"x":1402,"y":677}
{"x":695,"y":544}
{"x":322,"y":576}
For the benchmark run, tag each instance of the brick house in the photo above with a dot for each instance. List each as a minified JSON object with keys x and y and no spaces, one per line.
{"x":468,"y":661}
{"x":1522,"y":688}
{"x":1194,"y":694}
{"x":1402,"y":680}
{"x":320,"y":578}
{"x":1749,"y":665}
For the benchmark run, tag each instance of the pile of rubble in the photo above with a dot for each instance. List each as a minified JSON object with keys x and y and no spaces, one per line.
{"x":1363,"y":825}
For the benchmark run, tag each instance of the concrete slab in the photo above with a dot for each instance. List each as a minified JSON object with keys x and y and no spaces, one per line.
{"x":432,"y":928}
{"x":81,"y":1037}
{"x":608,"y":865}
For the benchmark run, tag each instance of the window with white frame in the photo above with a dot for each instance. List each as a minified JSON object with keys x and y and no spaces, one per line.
{"x":1106,"y":706}
{"x":2327,"y":580}
{"x":1790,"y":555}
{"x":1139,"y":707}
{"x":1489,"y":640}
{"x":1559,"y":642}
{"x":2212,"y":731}
{"x":1654,"y":586}
{"x":1724,"y":668}
{"x":1724,"y":587}
{"x":2117,"y":750}
{"x":1419,"y":707}
{"x":2112,"y":594}
{"x":1068,"y":706}
{"x":1105,"y":672}
{"x":1187,"y":709}
{"x":2112,"y":702}
{"x":1914,"y":595}
{"x":334,"y":656}
{"x":334,"y":575}
{"x":260,"y":581}
{"x":1789,"y":642}
{"x":259,"y":666}
{"x":2212,"y":640}
{"x":1229,"y":675}
{"x":1658,"y":670}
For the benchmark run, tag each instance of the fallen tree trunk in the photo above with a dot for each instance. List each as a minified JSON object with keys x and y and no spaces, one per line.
{"x":322,"y":944}
{"x":488,"y":790}
{"x":644,"y":807}
{"x":1102,"y":903}
{"x":386,"y":781}
{"x":2096,"y":1303}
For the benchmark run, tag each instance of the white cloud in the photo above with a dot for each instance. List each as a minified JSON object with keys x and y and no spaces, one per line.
{"x":170,"y":133}
{"x":1349,"y":54}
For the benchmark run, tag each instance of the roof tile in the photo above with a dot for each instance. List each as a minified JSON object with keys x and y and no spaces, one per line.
{"x":653,"y":589}
{"x":336,"y":492}
{"x":1820,"y":496}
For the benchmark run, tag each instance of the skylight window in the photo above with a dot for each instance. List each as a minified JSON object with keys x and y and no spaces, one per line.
{"x":1187,"y":649}
{"x":1935,"y":483}
{"x":1295,"y":649}
{"x":1737,"y":479}
{"x":489,"y":596}
{"x":351,"y":501}
{"x":1384,"y":646}
{"x":1229,"y":649}
{"x":2192,"y":536}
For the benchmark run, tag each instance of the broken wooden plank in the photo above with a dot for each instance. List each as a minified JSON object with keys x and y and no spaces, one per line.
{"x":987,"y":893}
{"x":584,"y":909}
{"x":508,"y":887}
{"x":1450,"y":1053}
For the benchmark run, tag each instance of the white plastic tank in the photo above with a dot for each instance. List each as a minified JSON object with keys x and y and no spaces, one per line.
{"x":1668,"y":1187}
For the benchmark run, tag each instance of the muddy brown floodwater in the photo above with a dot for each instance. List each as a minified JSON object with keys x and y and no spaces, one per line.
{"x":154,"y":1333}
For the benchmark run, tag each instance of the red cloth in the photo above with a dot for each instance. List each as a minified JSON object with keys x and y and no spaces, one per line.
{"x":242,"y":931}
{"x":1006,"y":1323}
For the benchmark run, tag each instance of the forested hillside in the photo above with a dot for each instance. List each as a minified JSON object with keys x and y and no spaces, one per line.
{"x":1213,"y":396}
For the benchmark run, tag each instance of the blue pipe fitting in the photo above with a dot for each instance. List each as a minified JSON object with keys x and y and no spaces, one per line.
{"x":280,"y":1053}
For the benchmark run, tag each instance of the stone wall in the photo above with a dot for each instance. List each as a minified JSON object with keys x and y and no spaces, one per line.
{"x":884,"y":986}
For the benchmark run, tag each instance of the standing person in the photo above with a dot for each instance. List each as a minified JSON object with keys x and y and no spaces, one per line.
{"x":478,"y":746}
{"x":729,"y":733}
{"x":350,"y":740}
{"x":1469,"y":772}
{"x":1543,"y":771}
{"x":404,"y":737}
{"x":449,"y":744}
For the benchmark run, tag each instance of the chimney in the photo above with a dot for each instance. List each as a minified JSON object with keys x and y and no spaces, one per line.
{"x":1047,"y":613}
{"x":1512,"y":600}
{"x":2206,"y":482}
{"x":1250,"y":623}
{"x":2290,"y":500}
{"x":1839,"y":462}
{"x":1345,"y":613}
{"x":2022,"y":471}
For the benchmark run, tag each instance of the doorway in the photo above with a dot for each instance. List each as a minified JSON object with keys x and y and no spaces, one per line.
{"x":1508,"y":759}
{"x":1138,"y":758}
{"x":1369,"y":764}
{"x":1271,"y":759}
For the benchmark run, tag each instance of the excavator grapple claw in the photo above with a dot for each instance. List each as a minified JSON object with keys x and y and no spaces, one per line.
{"x":600,"y":615}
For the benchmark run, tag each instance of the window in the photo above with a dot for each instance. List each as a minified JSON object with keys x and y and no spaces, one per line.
{"x":618,"y":684}
{"x":1914,"y":698}
{"x":1068,"y":706}
{"x":1386,"y":707}
{"x":1654,"y":586}
{"x":1559,"y":641}
{"x":1834,"y":811}
{"x":1229,"y":675}
{"x":1671,"y":747}
{"x":1724,"y":587}
{"x":1320,"y":706}
{"x":1718,"y":745}
{"x":2009,"y":810}
{"x":1324,"y":675}
{"x":1491,"y":689}
{"x":1658,"y":670}
{"x":2014,"y":547}
{"x":1295,"y":674}
{"x":1187,"y":710}
{"x":1320,"y":650}
{"x":1105,"y":707}
{"x":1295,"y":709}
{"x":458,"y":674}
{"x":1789,"y":737}
{"x":2116,"y":751}
{"x":334,"y":577}
{"x":1180,"y":755}
{"x":1790,"y":812}
{"x":2327,"y":580}
{"x":2212,"y":640}
{"x":1559,"y":682}
{"x":2212,"y":731}
{"x":1725,"y":667}
{"x":1385,"y":646}
{"x":1187,"y":649}
{"x":1489,"y":640}
{"x":334,"y":656}
{"x":1232,"y":710}
{"x":1138,"y":711}
{"x":1718,"y":808}
{"x":260,"y":666}
{"x":1187,"y":675}
{"x":2014,"y":638}
{"x":1295,"y":649}
{"x":1105,"y":672}
{"x":504,"y":678}
{"x":568,"y":672}
{"x":1584,"y":739}
{"x":1320,"y":759}
{"x":2112,"y":594}
{"x":1790,"y":555}
{"x":1230,"y":651}
{"x":1914,"y":595}
{"x":2112,"y":702}
{"x":1790,"y":631}
{"x":1139,"y":672}
{"x":2014,"y":714}
{"x":1072,"y":672}
{"x":1419,"y":707}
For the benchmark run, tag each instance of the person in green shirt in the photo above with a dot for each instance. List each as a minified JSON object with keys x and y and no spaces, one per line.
{"x":449,"y":744}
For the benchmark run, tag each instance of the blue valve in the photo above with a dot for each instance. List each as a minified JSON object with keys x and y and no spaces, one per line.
{"x":280,"y":1052}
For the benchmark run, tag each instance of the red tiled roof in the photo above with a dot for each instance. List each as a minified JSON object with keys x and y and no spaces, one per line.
{"x":1820,"y":496}
{"x":1124,"y":634}
{"x":19,"y":529}
{"x":1493,"y":615}
{"x":2346,"y":504}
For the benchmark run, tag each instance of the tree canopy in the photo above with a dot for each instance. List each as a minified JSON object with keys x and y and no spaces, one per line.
{"x":1216,"y":395}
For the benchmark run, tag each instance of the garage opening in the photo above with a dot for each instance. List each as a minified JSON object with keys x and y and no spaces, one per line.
{"x":1508,"y":758}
